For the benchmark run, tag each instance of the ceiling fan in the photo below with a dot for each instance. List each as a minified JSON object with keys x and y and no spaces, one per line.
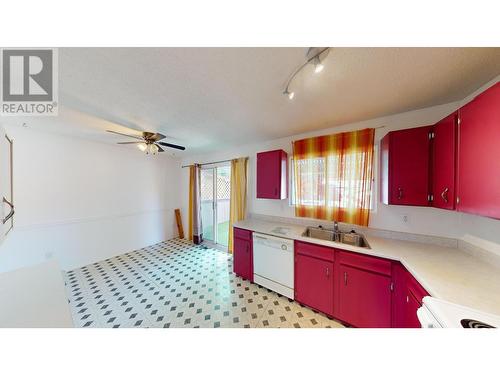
{"x":148,"y":142}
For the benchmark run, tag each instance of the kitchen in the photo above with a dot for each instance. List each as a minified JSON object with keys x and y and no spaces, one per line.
{"x":276,"y":191}
{"x":419,"y":167}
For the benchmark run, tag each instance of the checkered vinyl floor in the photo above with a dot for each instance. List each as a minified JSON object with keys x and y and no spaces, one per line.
{"x":176,"y":284}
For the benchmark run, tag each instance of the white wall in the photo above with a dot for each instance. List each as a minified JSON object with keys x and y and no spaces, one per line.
{"x":421,"y":220}
{"x":79,"y":201}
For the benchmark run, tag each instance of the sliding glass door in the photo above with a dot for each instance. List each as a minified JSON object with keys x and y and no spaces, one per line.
{"x":215,"y":195}
{"x":207,"y":203}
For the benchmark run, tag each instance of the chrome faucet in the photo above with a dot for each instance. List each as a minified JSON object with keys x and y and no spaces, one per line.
{"x":335,"y":226}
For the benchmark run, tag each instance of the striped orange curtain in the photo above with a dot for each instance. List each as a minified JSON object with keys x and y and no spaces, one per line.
{"x":333,"y":176}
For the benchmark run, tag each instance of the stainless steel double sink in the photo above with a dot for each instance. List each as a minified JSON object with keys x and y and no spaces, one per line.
{"x":348,"y":238}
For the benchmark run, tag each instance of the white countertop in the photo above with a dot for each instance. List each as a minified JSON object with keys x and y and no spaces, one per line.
{"x":34,"y":297}
{"x":447,"y":273}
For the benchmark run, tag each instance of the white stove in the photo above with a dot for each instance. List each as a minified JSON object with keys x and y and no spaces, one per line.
{"x":436,"y":313}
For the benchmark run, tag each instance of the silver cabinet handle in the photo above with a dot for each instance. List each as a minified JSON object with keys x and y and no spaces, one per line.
{"x":345,"y":278}
{"x":327,"y":271}
{"x":400,"y":193}
{"x":11,"y":213}
{"x":444,"y":195}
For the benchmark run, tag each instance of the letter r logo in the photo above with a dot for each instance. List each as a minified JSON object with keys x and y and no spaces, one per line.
{"x":27,"y":75}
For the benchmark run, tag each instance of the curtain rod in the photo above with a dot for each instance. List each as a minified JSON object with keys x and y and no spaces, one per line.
{"x":213,"y":162}
{"x":378,"y":127}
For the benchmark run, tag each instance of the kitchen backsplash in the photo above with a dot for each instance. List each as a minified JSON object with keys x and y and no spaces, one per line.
{"x":465,"y":246}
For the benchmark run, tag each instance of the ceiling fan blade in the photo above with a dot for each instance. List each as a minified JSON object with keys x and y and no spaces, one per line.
{"x":130,"y":143}
{"x":160,"y":149}
{"x":126,"y":135}
{"x":172,"y":145}
{"x":154,"y":136}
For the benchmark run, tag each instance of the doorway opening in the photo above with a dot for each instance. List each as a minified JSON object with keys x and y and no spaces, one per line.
{"x":215,"y":196}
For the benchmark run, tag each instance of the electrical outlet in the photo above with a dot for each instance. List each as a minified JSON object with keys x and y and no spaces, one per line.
{"x":405,"y":219}
{"x":49,"y":255}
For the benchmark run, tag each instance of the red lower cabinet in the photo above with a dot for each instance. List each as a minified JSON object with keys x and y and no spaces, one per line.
{"x":407,"y":299}
{"x":361,"y":290}
{"x":243,"y":253}
{"x":364,"y":287}
{"x":314,"y":282}
{"x":412,"y":305}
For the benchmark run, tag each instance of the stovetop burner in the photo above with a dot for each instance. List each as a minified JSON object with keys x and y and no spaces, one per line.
{"x":471,"y":323}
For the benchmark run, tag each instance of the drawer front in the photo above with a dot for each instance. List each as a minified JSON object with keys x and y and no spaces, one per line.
{"x":316,"y":251}
{"x":365,"y":262}
{"x":243,"y":234}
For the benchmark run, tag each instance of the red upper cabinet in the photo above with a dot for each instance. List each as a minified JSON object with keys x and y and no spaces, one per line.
{"x":444,"y":146}
{"x":479,"y":155}
{"x":243,"y":253}
{"x":405,"y":162}
{"x":272,"y":174}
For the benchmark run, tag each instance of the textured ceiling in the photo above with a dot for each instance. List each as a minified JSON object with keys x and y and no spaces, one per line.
{"x":212,"y":98}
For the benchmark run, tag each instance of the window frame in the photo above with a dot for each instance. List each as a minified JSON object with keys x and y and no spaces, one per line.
{"x":374,"y":189}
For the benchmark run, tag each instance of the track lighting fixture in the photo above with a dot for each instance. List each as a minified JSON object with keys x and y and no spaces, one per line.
{"x":315,"y":56}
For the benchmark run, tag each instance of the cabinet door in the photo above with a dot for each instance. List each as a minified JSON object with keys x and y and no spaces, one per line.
{"x":444,"y":156}
{"x":272,"y":172}
{"x":364,"y":298}
{"x":412,"y":305}
{"x":268,"y":175}
{"x":242,"y":258}
{"x":314,"y":283}
{"x":409,"y":166}
{"x":479,"y":155}
{"x":399,"y":307}
{"x":406,"y":299}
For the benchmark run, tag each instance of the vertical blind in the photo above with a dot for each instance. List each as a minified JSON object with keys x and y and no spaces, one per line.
{"x":333,"y":176}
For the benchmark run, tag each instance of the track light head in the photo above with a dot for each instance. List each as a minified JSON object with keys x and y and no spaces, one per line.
{"x":318,"y":66}
{"x":290,"y":94}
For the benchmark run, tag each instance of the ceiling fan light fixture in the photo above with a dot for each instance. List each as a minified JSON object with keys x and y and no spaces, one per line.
{"x":147,"y":142}
{"x":151,"y":149}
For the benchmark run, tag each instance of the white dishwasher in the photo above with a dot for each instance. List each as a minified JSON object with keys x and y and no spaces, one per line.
{"x":273,"y":265}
